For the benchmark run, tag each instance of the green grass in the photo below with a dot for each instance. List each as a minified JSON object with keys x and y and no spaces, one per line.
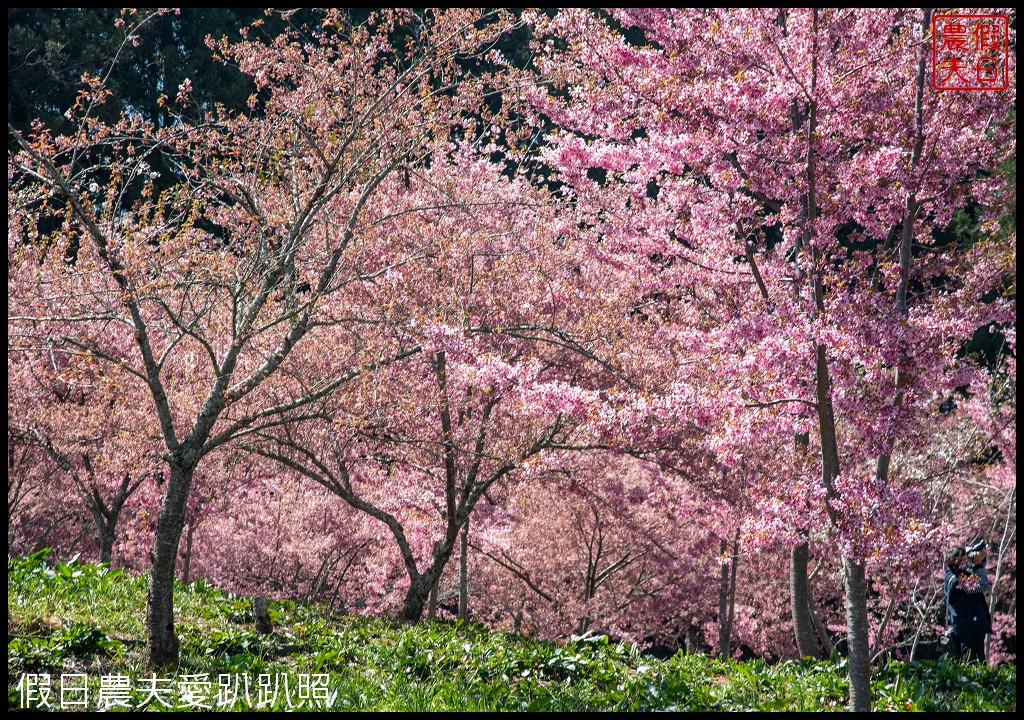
{"x":76,"y":619}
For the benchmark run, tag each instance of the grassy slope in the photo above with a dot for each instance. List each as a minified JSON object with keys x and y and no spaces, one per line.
{"x":86,"y":619}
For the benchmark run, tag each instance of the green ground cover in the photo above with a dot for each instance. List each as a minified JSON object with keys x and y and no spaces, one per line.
{"x":75,"y":635}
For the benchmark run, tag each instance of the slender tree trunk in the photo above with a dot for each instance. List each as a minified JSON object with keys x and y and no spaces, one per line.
{"x":104,"y":529}
{"x":187,"y":560}
{"x":727,"y":599}
{"x":800,"y":598}
{"x":261,"y":615}
{"x":432,"y":598}
{"x":106,"y":544}
{"x":162,"y":642}
{"x":880,"y":633}
{"x":857,"y":635}
{"x":819,"y":626}
{"x":464,"y":574}
{"x":1004,"y":544}
{"x":432,"y":603}
{"x":856,"y":596}
{"x":859,"y":664}
{"x":732,"y":592}
{"x":856,"y":584}
{"x":723,"y":606}
{"x":420,"y":585}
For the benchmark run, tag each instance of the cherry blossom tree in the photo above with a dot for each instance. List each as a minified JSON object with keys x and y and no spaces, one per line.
{"x":784,"y":170}
{"x":512,"y":366}
{"x":233,"y":276}
{"x":40,"y":512}
{"x":613,"y":555}
{"x":281,"y":536}
{"x":89,"y":433}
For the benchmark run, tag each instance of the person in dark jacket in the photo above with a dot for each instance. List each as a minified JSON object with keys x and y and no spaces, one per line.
{"x":964,"y":586}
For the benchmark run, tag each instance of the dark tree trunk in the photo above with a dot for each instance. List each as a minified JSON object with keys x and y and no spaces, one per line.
{"x":106,"y":545}
{"x":727,"y":599}
{"x":723,"y":606}
{"x":856,"y":587}
{"x":105,"y":525}
{"x":732,"y":592}
{"x":857,"y":635}
{"x":162,"y":642}
{"x":432,"y":598}
{"x":415,"y":600}
{"x":186,"y":569}
{"x":800,"y":601}
{"x":801,"y":597}
{"x":261,"y":615}
{"x":859,"y":664}
{"x":420,"y":584}
{"x":819,"y":626}
{"x":432,"y":603}
{"x":464,"y":574}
